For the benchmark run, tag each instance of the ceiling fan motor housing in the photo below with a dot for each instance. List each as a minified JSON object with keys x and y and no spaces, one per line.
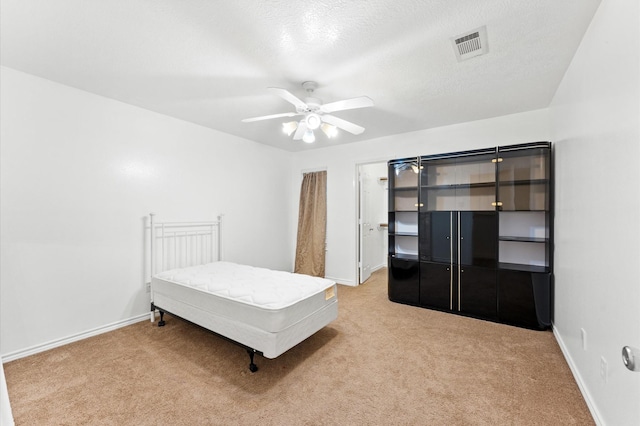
{"x":313,"y":105}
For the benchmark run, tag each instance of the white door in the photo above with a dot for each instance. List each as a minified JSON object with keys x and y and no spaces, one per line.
{"x":366,"y":226}
{"x":372,"y":217}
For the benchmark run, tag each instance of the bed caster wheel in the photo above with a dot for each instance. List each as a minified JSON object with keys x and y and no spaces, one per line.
{"x":161,"y":323}
{"x":253,"y":368}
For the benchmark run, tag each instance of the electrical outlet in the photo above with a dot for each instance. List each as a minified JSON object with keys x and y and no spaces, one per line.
{"x":603,"y":369}
{"x":583,"y":334}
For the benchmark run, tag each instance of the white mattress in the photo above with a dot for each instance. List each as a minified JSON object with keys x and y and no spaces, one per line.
{"x":267,"y":300}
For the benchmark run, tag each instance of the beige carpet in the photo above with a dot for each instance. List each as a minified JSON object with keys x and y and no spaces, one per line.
{"x":379,"y":363}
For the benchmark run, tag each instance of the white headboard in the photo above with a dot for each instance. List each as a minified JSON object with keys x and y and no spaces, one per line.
{"x":181,"y":244}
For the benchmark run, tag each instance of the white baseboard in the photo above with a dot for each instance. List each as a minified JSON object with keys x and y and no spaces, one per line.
{"x":384,"y":265}
{"x":73,"y":338}
{"x":576,"y":375}
{"x":352,"y":283}
{"x":342,"y":281}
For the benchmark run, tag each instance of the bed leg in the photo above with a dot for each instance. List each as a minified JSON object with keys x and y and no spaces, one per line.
{"x":252,"y":367}
{"x":161,"y":323}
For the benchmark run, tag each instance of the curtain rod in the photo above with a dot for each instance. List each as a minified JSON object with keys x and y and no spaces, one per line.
{"x":319,"y":169}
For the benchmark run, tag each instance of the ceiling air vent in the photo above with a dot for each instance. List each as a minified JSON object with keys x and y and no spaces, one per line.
{"x":470,"y":44}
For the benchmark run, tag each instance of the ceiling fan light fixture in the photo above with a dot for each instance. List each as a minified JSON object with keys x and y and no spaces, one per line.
{"x":289,"y":127}
{"x":313,"y":121}
{"x":309,"y":137}
{"x":329,"y":129}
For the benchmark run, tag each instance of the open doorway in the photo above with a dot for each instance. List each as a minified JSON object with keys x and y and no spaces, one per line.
{"x":372,"y":219}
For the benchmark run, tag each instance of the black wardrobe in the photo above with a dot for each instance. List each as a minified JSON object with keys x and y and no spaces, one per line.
{"x":471,"y":233}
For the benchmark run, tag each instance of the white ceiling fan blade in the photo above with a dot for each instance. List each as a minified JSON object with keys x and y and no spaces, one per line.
{"x":289,"y":97}
{"x":353,"y":103}
{"x":343,"y":124}
{"x":302,"y":127}
{"x":267,"y":117}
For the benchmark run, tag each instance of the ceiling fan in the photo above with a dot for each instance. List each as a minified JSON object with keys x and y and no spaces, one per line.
{"x":316,"y":114}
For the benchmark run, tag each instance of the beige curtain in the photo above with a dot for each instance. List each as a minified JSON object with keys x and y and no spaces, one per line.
{"x":312,"y":224}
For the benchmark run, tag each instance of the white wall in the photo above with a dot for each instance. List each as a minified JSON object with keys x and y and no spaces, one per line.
{"x":340,"y":162}
{"x":80,"y":172}
{"x":595,"y":119}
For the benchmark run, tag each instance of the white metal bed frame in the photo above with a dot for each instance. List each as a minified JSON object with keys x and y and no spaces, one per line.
{"x":183,"y":244}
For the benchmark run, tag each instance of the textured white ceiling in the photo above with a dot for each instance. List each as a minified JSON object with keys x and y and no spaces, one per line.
{"x":210,"y":62}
